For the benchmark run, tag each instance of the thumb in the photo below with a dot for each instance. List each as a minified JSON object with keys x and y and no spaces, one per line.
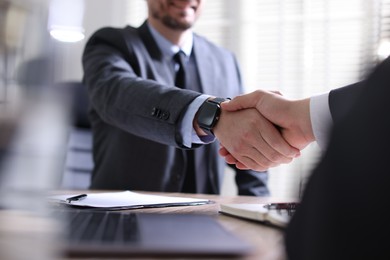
{"x":241,"y":102}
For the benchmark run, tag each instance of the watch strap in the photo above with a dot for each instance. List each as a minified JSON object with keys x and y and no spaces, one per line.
{"x":208,"y":128}
{"x":218,"y":100}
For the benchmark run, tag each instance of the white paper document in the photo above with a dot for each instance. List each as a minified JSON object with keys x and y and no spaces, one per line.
{"x":125,"y":200}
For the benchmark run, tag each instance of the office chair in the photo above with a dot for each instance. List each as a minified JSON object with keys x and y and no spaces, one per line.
{"x":78,"y":161}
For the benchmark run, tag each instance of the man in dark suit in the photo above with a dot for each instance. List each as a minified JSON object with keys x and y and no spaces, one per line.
{"x":343,"y":212}
{"x":144,"y":128}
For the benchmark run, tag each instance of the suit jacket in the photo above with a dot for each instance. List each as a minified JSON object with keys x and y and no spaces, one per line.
{"x":343,"y":214}
{"x":136,"y":110}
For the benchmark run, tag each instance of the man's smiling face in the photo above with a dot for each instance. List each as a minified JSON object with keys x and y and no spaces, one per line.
{"x":176,"y":14}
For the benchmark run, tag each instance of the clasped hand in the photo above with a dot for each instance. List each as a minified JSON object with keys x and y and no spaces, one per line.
{"x":263,"y":129}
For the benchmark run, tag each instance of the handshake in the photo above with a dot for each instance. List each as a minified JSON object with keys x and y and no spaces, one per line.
{"x":263,"y":129}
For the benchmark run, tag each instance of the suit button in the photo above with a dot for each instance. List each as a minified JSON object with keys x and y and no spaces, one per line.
{"x":155,"y":111}
{"x":165,"y":115}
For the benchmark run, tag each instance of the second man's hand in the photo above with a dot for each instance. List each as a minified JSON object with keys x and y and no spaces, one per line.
{"x":250,"y":141}
{"x":291,"y":117}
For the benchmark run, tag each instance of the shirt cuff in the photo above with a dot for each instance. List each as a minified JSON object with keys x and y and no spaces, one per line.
{"x":187,"y":129}
{"x":321,"y":118}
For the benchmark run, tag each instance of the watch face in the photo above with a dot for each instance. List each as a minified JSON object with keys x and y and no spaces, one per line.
{"x":208,"y":114}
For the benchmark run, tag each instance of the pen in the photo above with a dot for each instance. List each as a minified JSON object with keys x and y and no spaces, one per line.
{"x":286,"y":205}
{"x":76,"y":198}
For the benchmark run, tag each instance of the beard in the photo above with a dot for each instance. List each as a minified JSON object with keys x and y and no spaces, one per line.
{"x":171,"y":22}
{"x":174,"y":24}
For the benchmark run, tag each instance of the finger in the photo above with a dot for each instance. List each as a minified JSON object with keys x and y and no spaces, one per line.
{"x":244,"y":167}
{"x":230,"y":159}
{"x":254,"y":145}
{"x":261,"y":163}
{"x":223,"y":151}
{"x":252,"y":166}
{"x":227,"y":156}
{"x":253,"y":158}
{"x":270,"y":153}
{"x":279,"y":148}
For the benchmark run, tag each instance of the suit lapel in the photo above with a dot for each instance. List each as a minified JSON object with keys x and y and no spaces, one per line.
{"x":158,"y":65}
{"x":205,"y":66}
{"x":149,"y":42}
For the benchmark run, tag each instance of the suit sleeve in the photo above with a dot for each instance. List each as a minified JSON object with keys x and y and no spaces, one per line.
{"x":342,"y":99}
{"x":115,"y":72}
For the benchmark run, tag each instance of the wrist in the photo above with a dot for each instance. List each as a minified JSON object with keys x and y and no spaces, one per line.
{"x":302,"y":114}
{"x":207,"y":116}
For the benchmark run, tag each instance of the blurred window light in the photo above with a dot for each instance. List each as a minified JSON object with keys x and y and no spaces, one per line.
{"x":67,"y":34}
{"x":384,"y":49}
{"x":13,"y":26}
{"x":66,"y":20}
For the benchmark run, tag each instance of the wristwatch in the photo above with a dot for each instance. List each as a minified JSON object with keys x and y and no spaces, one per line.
{"x":208,"y":114}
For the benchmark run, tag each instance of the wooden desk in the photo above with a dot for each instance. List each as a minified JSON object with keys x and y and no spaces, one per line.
{"x":267,"y":241}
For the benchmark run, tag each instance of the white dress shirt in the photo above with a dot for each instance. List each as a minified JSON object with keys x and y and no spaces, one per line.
{"x":321,"y":119}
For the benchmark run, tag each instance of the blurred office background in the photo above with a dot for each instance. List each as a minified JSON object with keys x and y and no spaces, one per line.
{"x":33,"y":113}
{"x":299,"y":47}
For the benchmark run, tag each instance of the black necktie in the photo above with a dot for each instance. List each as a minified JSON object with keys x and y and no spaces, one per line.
{"x":189,"y":185}
{"x":180,"y":79}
